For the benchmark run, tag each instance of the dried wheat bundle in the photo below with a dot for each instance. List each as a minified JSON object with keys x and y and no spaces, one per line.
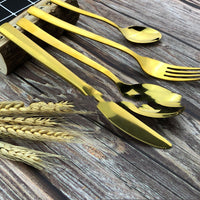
{"x":37,"y":108}
{"x":38,"y":133}
{"x":34,"y":122}
{"x":26,"y":155}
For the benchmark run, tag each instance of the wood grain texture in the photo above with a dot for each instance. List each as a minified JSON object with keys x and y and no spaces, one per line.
{"x":112,"y":165}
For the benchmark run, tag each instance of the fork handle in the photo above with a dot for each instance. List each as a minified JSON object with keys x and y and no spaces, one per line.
{"x":44,"y":57}
{"x":69,"y":27}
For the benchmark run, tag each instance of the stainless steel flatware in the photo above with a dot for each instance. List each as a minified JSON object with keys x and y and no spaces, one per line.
{"x":151,"y":66}
{"x":137,"y":34}
{"x":113,"y":112}
{"x":154,"y":94}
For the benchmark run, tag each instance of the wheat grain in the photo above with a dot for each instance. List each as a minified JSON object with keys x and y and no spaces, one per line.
{"x":26,"y":155}
{"x":38,"y":133}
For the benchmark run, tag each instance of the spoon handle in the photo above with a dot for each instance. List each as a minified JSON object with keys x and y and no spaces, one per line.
{"x":69,"y":27}
{"x":84,"y":12}
{"x":40,"y":54}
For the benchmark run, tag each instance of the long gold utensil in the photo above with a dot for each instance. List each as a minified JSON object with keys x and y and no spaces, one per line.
{"x":137,"y":34}
{"x":154,"y":94}
{"x":151,"y":66}
{"x":113,"y":112}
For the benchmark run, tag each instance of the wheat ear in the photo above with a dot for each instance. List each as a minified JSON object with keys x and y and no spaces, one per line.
{"x":38,"y":108}
{"x":11,"y":105}
{"x":32,"y":121}
{"x":26,"y":155}
{"x":39,"y":133}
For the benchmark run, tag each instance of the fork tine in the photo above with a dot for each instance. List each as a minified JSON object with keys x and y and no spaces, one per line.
{"x":182,"y":75}
{"x":183,"y":71}
{"x":171,"y":77}
{"x":182,"y":67}
{"x":174,"y":74}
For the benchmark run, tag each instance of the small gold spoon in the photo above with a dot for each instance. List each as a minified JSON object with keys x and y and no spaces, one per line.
{"x":137,"y":34}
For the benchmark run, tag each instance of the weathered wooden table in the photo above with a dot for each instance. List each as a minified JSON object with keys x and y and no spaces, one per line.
{"x":116,"y":166}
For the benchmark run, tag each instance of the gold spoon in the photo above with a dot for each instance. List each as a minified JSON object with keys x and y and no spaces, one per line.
{"x":137,"y":34}
{"x":113,"y":112}
{"x":153,"y":94}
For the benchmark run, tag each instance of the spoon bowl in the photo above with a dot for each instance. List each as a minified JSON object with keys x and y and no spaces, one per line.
{"x":151,"y":93}
{"x":151,"y":109}
{"x":140,"y":34}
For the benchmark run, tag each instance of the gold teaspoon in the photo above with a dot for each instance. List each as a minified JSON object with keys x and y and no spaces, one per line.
{"x":137,"y":34}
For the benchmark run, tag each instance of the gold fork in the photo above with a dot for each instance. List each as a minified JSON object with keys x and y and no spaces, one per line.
{"x":151,"y":66}
{"x":113,"y":112}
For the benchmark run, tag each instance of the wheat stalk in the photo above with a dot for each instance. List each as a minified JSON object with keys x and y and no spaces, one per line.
{"x":38,"y":133}
{"x":26,"y":155}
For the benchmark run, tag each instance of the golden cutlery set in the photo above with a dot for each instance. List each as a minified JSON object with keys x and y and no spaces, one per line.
{"x":159,"y":102}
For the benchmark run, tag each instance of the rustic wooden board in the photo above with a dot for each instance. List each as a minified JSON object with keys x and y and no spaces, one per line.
{"x":116,"y":166}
